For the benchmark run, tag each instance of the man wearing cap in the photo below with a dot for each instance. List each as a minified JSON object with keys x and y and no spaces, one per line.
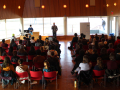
{"x":13,"y":37}
{"x":30,"y":30}
{"x":54,"y":29}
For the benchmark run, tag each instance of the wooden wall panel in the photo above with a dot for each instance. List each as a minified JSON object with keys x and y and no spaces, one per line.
{"x":11,"y":10}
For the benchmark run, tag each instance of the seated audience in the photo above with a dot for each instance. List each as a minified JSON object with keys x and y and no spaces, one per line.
{"x":52,"y":50}
{"x":110,"y":50}
{"x":2,"y":52}
{"x":99,"y":66}
{"x":117,"y":41}
{"x":27,"y":37}
{"x":43,"y":53}
{"x":95,"y":45}
{"x":22,"y":68}
{"x":80,"y":48}
{"x":13,"y":44}
{"x":32,"y":41}
{"x":102,"y":37}
{"x":19,"y":45}
{"x":90,"y":51}
{"x":83,"y":66}
{"x":96,"y":37}
{"x":93,"y":56}
{"x":3,"y":44}
{"x":15,"y":57}
{"x":24,"y":42}
{"x":32,"y":51}
{"x":10,"y":52}
{"x":101,"y":44}
{"x":84,"y":41}
{"x":38,"y":58}
{"x":28,"y":43}
{"x":103,"y":54}
{"x":46,"y":42}
{"x":75,"y":39}
{"x":22,"y":51}
{"x":38,"y":43}
{"x":111,"y":40}
{"x":94,"y":41}
{"x":41,"y":41}
{"x":117,"y":52}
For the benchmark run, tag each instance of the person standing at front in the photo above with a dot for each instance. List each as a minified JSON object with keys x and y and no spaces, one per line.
{"x":54,"y":29}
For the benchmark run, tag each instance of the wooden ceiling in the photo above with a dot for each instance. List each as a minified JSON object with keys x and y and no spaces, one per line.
{"x":54,"y":8}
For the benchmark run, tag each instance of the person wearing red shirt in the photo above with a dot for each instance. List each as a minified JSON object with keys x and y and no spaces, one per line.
{"x":110,"y":50}
{"x":3,"y":43}
{"x":117,"y":41}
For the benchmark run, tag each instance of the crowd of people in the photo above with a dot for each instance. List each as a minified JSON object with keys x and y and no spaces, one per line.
{"x":97,"y":50}
{"x":47,"y":53}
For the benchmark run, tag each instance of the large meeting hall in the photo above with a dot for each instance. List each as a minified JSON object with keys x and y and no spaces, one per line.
{"x":60,"y":44}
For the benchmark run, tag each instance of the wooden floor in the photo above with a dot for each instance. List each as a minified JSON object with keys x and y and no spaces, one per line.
{"x":66,"y":80}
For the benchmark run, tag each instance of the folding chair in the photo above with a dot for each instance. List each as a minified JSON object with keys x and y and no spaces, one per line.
{"x":37,"y":47}
{"x":30,"y":57}
{"x":36,"y":75}
{"x":2,"y":57}
{"x":50,"y":76}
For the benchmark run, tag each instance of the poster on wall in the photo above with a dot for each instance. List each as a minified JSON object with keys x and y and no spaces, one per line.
{"x":85,"y":29}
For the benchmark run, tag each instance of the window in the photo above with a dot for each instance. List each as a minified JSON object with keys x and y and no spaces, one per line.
{"x":12,"y":27}
{"x":96,"y":25}
{"x":73,"y":24}
{"x":113,"y":25}
{"x":2,"y":29}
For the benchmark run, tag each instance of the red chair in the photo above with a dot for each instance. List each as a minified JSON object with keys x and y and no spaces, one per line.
{"x":85,"y":47}
{"x":99,"y":75}
{"x":39,"y":65}
{"x":2,"y":57}
{"x":37,"y":47}
{"x":23,"y":57}
{"x":74,"y":45}
{"x":14,"y":48}
{"x":6,"y":48}
{"x":10,"y":57}
{"x":15,"y":63}
{"x":30,"y":57}
{"x":50,"y":76}
{"x":36,"y":75}
{"x":93,"y":63}
{"x":29,"y":64}
{"x":23,"y":76}
{"x":27,"y":49}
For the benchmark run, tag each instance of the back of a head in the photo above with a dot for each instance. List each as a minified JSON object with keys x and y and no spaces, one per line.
{"x":102,"y":39}
{"x":6,"y":62}
{"x":85,"y":59}
{"x":81,"y":52}
{"x":3,"y":40}
{"x":21,"y":47}
{"x":11,"y":49}
{"x":52,"y":53}
{"x":81,"y":45}
{"x":20,"y":41}
{"x":12,"y":41}
{"x":112,"y":56}
{"x":38,"y":52}
{"x":52,"y":47}
{"x":24,"y":38}
{"x":100,"y":62}
{"x":20,"y":61}
{"x":46,"y":63}
{"x":40,"y":37}
{"x":75,"y":34}
{"x":33,"y":38}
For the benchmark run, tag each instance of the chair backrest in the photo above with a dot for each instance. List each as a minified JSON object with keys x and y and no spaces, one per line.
{"x":23,"y":57}
{"x":27,"y":49}
{"x":85,"y":47}
{"x":22,"y":75}
{"x":29,"y":64}
{"x":74,"y":43}
{"x":37,"y":47}
{"x":50,"y":74}
{"x":98,"y":73}
{"x":39,"y":65}
{"x":36,"y":74}
{"x":30,"y":57}
{"x":2,"y":57}
{"x":6,"y":48}
{"x":10,"y":57}
{"x":14,"y":48}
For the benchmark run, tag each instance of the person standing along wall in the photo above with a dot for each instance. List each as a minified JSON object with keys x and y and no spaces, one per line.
{"x":54,"y":29}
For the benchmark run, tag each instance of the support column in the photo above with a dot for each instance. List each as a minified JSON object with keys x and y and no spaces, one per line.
{"x":22,"y":24}
{"x":5,"y":28}
{"x":65,"y":25}
{"x":108,"y":25}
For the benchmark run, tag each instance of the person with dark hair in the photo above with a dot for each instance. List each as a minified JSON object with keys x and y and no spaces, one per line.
{"x":24,"y":42}
{"x":10,"y":52}
{"x":38,"y":58}
{"x":96,"y":36}
{"x":32,"y":51}
{"x":54,"y":29}
{"x":80,"y":48}
{"x":3,"y":44}
{"x":117,"y":52}
{"x":99,"y":66}
{"x":32,"y":41}
{"x":90,"y":51}
{"x":84,"y":41}
{"x":13,"y":44}
{"x":38,"y":43}
{"x":30,"y":30}
{"x":102,"y":37}
{"x":54,"y":62}
{"x":2,"y":52}
{"x":22,"y":51}
{"x":15,"y":57}
{"x":111,"y":40}
{"x":117,"y":41}
{"x":27,"y":38}
{"x":75,"y":39}
{"x":93,"y":56}
{"x":96,"y":45}
{"x":52,"y":50}
{"x":104,"y":54}
{"x":41,"y":41}
{"x":28,"y":43}
{"x":13,"y":37}
{"x":19,"y":45}
{"x":22,"y":68}
{"x":110,"y":50}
